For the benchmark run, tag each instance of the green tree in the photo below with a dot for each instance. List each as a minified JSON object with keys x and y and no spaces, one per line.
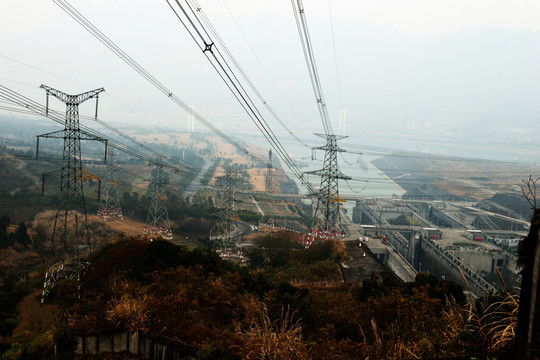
{"x":4,"y":223}
{"x":7,"y":325}
{"x":21,"y":236}
{"x":5,"y":240}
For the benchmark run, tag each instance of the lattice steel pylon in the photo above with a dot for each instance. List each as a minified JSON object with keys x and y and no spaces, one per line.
{"x":327,"y":213}
{"x":110,"y":202}
{"x":70,"y":219}
{"x":269,"y":175}
{"x":226,"y":238}
{"x":157,"y":220}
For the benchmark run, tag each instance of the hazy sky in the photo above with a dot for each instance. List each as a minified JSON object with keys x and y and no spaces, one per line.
{"x":458,"y":77}
{"x":416,"y":17}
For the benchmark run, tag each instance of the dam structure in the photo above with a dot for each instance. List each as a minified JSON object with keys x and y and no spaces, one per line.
{"x":454,"y":241}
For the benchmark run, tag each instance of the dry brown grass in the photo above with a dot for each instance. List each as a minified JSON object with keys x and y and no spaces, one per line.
{"x":128,"y":311}
{"x":499,"y":321}
{"x":494,"y":326}
{"x":265,"y":339}
{"x":455,"y":317}
{"x":395,"y":348}
{"x":127,"y":307}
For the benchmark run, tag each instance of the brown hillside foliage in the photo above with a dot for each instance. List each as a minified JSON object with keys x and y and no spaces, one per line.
{"x":267,"y":340}
{"x":229,"y":312}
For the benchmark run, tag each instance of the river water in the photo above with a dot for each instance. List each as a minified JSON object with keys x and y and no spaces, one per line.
{"x":367,"y":181}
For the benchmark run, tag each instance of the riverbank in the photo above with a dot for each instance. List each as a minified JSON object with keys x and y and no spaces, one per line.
{"x":383,"y":174}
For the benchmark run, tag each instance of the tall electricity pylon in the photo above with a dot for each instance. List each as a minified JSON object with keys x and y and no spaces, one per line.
{"x":327,"y":212}
{"x":269,"y":176}
{"x":226,"y":238}
{"x":70,"y":222}
{"x":157,"y":221}
{"x":110,"y":202}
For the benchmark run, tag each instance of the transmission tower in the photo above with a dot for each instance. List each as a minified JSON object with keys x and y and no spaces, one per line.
{"x":157,"y":221}
{"x":70,"y":222}
{"x":269,"y":177}
{"x":110,"y":202}
{"x":327,"y":212}
{"x":226,"y":239}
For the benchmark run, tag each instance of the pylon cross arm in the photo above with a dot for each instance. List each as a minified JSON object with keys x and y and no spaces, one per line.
{"x":72,"y":99}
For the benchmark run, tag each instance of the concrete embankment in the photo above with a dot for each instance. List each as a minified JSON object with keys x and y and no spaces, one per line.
{"x":363,"y":264}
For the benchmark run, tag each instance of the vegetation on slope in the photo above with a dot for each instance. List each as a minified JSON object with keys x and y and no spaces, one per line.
{"x":287,"y":303}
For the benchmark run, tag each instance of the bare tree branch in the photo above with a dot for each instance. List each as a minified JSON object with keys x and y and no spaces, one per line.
{"x":529,"y":190}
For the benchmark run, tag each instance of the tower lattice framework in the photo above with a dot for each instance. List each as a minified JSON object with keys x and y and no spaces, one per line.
{"x":110,"y":201}
{"x":70,"y":222}
{"x":226,"y":238}
{"x":327,"y":214}
{"x":157,"y":220}
{"x":269,"y":175}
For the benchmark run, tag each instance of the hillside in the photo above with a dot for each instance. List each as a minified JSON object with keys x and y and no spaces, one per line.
{"x":292,"y":304}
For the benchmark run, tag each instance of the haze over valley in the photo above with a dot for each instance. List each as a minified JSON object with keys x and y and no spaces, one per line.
{"x":197,"y":179}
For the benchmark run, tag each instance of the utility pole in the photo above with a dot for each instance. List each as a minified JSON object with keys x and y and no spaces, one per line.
{"x":70,"y":222}
{"x":110,"y":202}
{"x":157,"y":221}
{"x":327,"y":214}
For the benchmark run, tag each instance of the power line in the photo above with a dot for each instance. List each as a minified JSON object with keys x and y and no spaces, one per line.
{"x":41,"y":70}
{"x":265,"y":103}
{"x":74,"y":82}
{"x":37,"y":109}
{"x":309,"y":56}
{"x":335,"y":53}
{"x":328,"y":198}
{"x":190,"y":17}
{"x":58,"y":114}
{"x":72,"y":12}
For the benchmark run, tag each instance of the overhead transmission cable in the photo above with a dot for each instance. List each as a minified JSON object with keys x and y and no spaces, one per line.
{"x":58,"y":161}
{"x":41,"y":70}
{"x":190,"y":17}
{"x":84,"y":117}
{"x":119,"y":52}
{"x":335,"y":53}
{"x":78,"y":83}
{"x":101,"y":122}
{"x":269,"y":108}
{"x":38,"y":109}
{"x":84,"y":22}
{"x":309,"y":56}
{"x":228,"y":77}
